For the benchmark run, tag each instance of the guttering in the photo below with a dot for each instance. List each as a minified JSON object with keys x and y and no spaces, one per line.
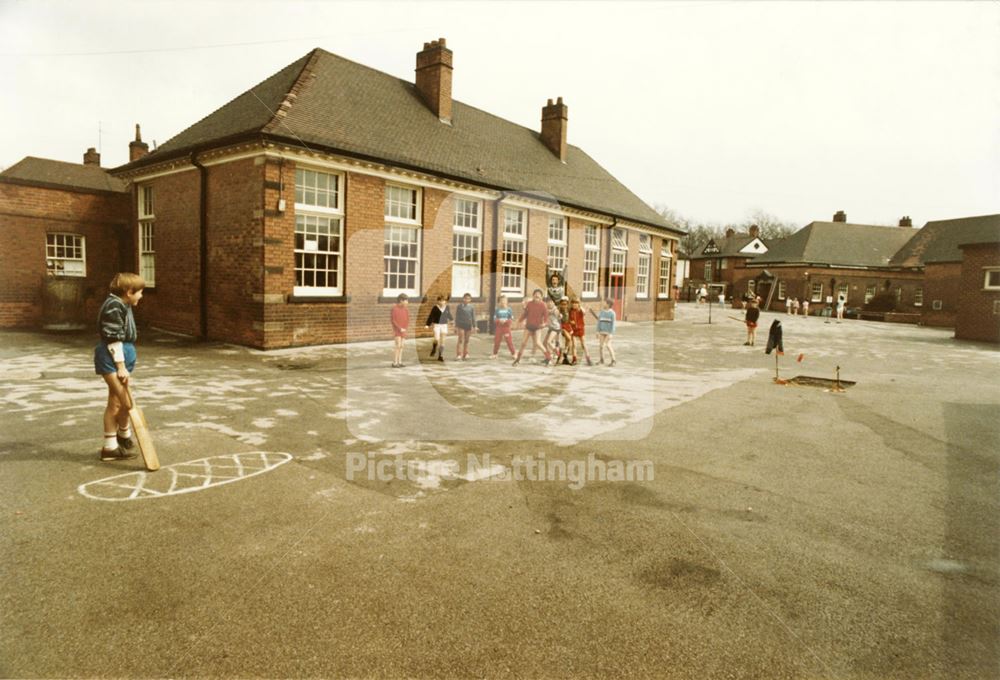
{"x":202,"y":245}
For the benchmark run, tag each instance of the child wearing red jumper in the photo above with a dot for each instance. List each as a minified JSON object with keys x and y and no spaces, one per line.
{"x":534,"y":318}
{"x":578,"y":320}
{"x":400,"y":317}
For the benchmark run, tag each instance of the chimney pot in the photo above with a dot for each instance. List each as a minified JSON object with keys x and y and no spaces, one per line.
{"x":730,"y":232}
{"x":92,"y":157}
{"x":754,"y":230}
{"x":905,"y":221}
{"x":433,"y":78}
{"x":840,"y":216}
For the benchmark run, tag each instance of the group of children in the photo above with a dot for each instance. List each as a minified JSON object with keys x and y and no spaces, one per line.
{"x":561,"y":317}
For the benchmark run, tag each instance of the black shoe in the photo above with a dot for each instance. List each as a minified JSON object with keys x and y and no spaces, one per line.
{"x":116,"y":454}
{"x":124,"y":443}
{"x":441,"y":358}
{"x":434,"y":349}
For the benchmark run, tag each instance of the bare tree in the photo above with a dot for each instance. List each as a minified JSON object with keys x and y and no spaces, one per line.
{"x":771,"y":227}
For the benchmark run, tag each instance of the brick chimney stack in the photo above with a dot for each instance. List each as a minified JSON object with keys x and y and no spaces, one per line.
{"x":905,"y":221}
{"x":92,"y":157}
{"x":754,"y":230}
{"x":138,"y":148}
{"x":555,"y":118}
{"x":434,"y":78}
{"x":730,"y":232}
{"x":840,"y":216}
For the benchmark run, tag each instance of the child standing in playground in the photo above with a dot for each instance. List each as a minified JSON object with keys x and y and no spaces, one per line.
{"x":553,"y":331}
{"x":438,"y":318}
{"x":114,"y":360}
{"x":400,"y":317}
{"x":752,"y":315}
{"x":606,"y":329}
{"x":578,"y":319}
{"x":503,"y":320}
{"x":465,"y":326}
{"x":533,"y":317}
{"x":567,"y":332}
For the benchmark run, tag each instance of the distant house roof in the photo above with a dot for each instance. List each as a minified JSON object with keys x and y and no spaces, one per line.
{"x":329,"y":103}
{"x":939,"y":241}
{"x":837,"y":243}
{"x":730,"y":246}
{"x":46,"y":172}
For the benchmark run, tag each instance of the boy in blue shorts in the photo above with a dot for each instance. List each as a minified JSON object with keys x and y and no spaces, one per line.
{"x":114,"y":360}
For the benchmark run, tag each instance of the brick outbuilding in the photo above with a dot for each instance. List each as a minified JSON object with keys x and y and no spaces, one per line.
{"x":978,"y":312}
{"x":62,"y":237}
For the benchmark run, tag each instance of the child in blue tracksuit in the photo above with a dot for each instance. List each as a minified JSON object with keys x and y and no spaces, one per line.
{"x":114,"y":360}
{"x":606,"y":329}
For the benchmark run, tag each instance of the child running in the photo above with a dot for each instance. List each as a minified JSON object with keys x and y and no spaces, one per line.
{"x":578,"y":319}
{"x":503,"y":320}
{"x":400,"y":317}
{"x":114,"y":360}
{"x":465,"y":326}
{"x":438,"y":318}
{"x":533,"y":317}
{"x":606,"y":329}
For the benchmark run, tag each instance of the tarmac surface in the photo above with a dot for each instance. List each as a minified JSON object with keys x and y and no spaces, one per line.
{"x":318,"y":515}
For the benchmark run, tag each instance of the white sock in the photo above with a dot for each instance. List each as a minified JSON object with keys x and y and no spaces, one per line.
{"x":110,"y":443}
{"x":125,"y":433}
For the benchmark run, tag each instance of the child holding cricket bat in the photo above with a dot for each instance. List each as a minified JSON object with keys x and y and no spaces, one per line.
{"x":114,"y":360}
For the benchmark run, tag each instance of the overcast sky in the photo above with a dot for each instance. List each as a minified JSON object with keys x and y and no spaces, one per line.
{"x":712,"y":108}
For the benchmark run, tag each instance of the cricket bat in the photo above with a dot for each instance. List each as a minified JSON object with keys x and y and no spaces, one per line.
{"x":146,"y":446}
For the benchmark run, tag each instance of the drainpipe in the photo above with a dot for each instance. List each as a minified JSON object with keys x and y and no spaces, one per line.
{"x":607,"y":259}
{"x":494,"y":259}
{"x":202,"y":245}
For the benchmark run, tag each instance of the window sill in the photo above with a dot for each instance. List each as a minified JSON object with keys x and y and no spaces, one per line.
{"x":317,"y":299}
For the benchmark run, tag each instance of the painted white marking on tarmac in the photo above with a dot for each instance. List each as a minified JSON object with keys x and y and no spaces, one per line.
{"x":180,"y":478}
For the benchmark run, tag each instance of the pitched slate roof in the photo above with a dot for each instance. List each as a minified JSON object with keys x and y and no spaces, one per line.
{"x":939,"y":240}
{"x":836,"y":243}
{"x":729,"y":246}
{"x":31,"y":170}
{"x":326,"y":102}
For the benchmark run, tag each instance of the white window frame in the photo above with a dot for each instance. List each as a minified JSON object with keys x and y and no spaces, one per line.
{"x":870,"y":291}
{"x":329,"y":210}
{"x":918,"y":296}
{"x":643,"y":266}
{"x":393,"y":202}
{"x":515,"y":242}
{"x":987,"y":271}
{"x":619,"y":252}
{"x":55,"y":263}
{"x":591,"y":260}
{"x":752,"y":286}
{"x":467,"y":239}
{"x":814,"y":295}
{"x":723,"y":263}
{"x":845,"y":290}
{"x":557,"y":244}
{"x":782,"y":290}
{"x":396,"y":224}
{"x":666,"y":256}
{"x":147,"y":235}
{"x":708,"y":270}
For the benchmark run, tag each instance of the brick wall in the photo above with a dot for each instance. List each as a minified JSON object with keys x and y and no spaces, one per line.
{"x":941,"y":282}
{"x":27,"y":214}
{"x":173,"y":304}
{"x":978,"y":313}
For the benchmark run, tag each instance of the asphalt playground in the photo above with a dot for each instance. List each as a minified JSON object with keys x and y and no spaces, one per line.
{"x":318,"y":513}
